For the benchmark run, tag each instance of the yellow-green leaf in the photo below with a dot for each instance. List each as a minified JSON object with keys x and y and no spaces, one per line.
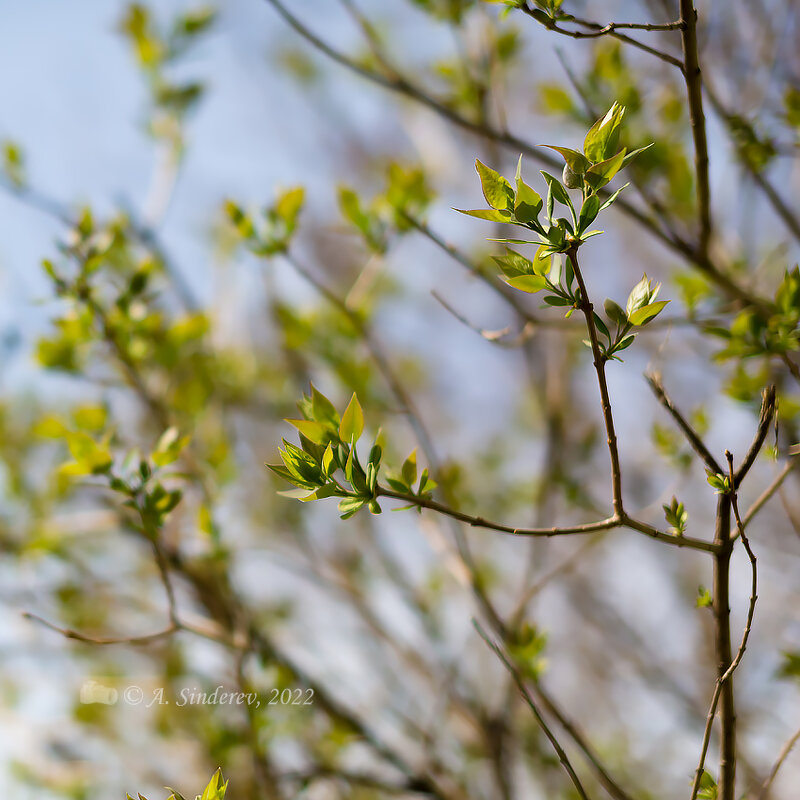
{"x":352,"y":424}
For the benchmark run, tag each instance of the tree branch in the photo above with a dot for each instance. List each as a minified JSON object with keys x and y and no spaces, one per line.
{"x":590,"y":527}
{"x":654,"y":381}
{"x":600,"y":369}
{"x":724,"y":683}
{"x":694,"y":88}
{"x":785,"y":750}
{"x":526,"y":695}
{"x":612,"y":29}
{"x":765,"y":418}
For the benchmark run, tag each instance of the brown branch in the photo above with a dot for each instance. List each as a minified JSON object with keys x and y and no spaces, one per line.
{"x":654,"y":381}
{"x":765,"y":418}
{"x":694,"y":88}
{"x":504,"y":337}
{"x":765,"y":496}
{"x":600,"y":368}
{"x":612,"y":29}
{"x":636,"y":26}
{"x":724,"y":684}
{"x":526,"y":696}
{"x":590,"y":527}
{"x":69,"y":633}
{"x":782,"y":756}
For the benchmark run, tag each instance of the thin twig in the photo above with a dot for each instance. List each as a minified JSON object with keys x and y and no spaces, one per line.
{"x":69,"y":633}
{"x":612,"y":29}
{"x":636,"y":26}
{"x":765,"y":418}
{"x":526,"y":696}
{"x":654,"y":381}
{"x":694,"y":88}
{"x":600,"y":369}
{"x":504,"y":337}
{"x":590,"y":527}
{"x":782,"y":756}
{"x":765,"y":496}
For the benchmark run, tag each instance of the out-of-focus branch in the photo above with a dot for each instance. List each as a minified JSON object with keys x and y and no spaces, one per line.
{"x":69,"y":633}
{"x":691,"y":435}
{"x":781,"y":208}
{"x":527,"y":697}
{"x":773,"y":773}
{"x":694,"y":88}
{"x":767,"y":494}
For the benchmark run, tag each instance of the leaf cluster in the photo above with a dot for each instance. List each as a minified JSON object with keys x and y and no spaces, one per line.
{"x":327,"y":464}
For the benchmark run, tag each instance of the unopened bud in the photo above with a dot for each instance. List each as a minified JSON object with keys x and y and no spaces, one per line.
{"x":572,"y":180}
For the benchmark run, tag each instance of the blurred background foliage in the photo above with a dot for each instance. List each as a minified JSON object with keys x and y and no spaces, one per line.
{"x":228,"y":208}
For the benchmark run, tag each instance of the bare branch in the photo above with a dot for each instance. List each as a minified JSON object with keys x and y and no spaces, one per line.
{"x":765,"y":496}
{"x":526,"y":696}
{"x":782,"y":756}
{"x":612,"y":29}
{"x":590,"y":527}
{"x":765,"y":418}
{"x":654,"y":380}
{"x":69,"y":633}
{"x":694,"y":88}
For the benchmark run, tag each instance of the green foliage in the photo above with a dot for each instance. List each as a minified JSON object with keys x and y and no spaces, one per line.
{"x":790,"y":665}
{"x":704,"y":599}
{"x":215,"y":790}
{"x":270,"y":233}
{"x":327,"y":464}
{"x":708,"y":787}
{"x":589,"y":171}
{"x":327,"y":448}
{"x":676,"y":516}
{"x":13,"y":163}
{"x":756,"y":334}
{"x":721,"y":483}
{"x":527,"y":646}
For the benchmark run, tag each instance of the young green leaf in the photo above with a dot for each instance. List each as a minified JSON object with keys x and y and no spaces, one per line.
{"x":528,"y":203}
{"x":647,"y":313}
{"x":615,"y":313}
{"x":600,"y":174}
{"x":633,"y":153}
{"x":317,"y":432}
{"x":589,"y":211}
{"x":704,"y":599}
{"x":528,"y":283}
{"x":352,"y":424}
{"x":351,"y":505}
{"x":602,"y":139}
{"x":576,"y":161}
{"x":488,"y":214}
{"x":322,"y":409}
{"x":496,"y":189}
